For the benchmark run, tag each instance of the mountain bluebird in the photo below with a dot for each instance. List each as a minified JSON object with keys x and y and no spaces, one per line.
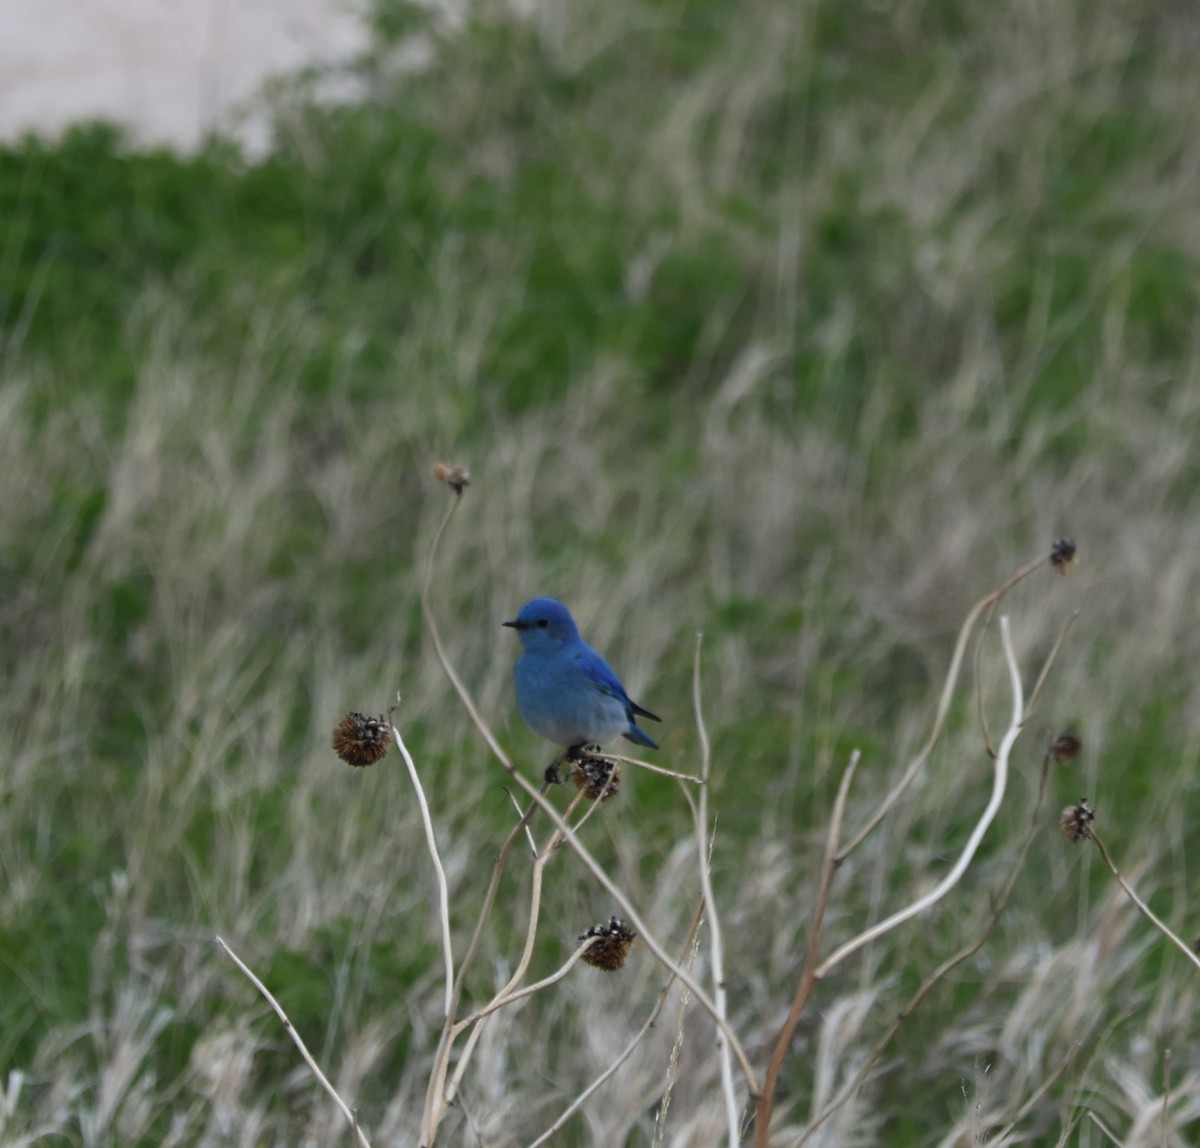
{"x":566,"y":691}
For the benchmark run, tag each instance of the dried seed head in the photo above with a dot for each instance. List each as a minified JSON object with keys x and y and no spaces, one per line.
{"x":1065,"y":748}
{"x":1076,"y":821}
{"x":598,"y":777}
{"x":1196,"y":945}
{"x":609,"y":952}
{"x":457,"y":478}
{"x":1062,"y":554}
{"x":361,"y":740}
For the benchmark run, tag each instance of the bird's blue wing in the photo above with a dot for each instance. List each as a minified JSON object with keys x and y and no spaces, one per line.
{"x":596,"y":669}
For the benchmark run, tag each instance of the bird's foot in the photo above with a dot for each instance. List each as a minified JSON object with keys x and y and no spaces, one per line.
{"x":553,"y":776}
{"x":583,"y":752}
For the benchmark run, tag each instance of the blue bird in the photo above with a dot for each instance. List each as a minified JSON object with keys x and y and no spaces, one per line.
{"x":565,"y":690}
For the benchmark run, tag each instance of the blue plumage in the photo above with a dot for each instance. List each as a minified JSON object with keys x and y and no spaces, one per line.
{"x":565,"y":690}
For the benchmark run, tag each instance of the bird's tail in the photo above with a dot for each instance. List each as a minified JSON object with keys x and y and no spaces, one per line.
{"x":636,"y":736}
{"x":641,"y":711}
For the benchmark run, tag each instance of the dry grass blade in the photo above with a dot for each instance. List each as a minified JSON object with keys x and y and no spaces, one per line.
{"x":1109,"y":1134}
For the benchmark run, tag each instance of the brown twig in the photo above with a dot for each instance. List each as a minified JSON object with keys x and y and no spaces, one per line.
{"x":808,"y":979}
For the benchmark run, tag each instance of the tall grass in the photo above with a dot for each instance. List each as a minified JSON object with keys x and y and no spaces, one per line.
{"x":798,"y":325}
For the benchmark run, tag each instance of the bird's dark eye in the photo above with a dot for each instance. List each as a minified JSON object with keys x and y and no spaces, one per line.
{"x":543,"y":622}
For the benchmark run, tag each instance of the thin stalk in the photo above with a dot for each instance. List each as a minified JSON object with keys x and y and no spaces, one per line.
{"x":999,"y":785}
{"x":438,"y":868}
{"x":714,"y":920}
{"x":943,"y":709}
{"x":625,"y":1054}
{"x":322,"y":1079}
{"x":808,"y":979}
{"x":1142,"y":907}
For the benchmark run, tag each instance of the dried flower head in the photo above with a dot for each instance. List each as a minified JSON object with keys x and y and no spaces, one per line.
{"x":597,"y":776}
{"x":457,"y":478}
{"x":361,"y":740}
{"x":1062,"y":554}
{"x":1065,"y":748}
{"x":1076,"y":821}
{"x":609,"y":952}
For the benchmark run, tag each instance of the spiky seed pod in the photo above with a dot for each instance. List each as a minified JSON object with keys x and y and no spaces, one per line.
{"x":361,"y":740}
{"x":598,"y":777}
{"x":1076,"y":821}
{"x":457,"y":478}
{"x":1065,"y":748}
{"x":610,"y":951}
{"x":1062,"y":554}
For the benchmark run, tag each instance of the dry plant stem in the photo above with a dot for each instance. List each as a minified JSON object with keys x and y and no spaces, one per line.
{"x":999,"y":785}
{"x":829,"y":866}
{"x":1143,"y":908}
{"x":714,"y":920}
{"x":631,"y":914}
{"x":439,"y":870}
{"x":493,"y":1006}
{"x":939,"y":722}
{"x":627,"y":1052}
{"x":979,"y":706}
{"x":522,"y":814}
{"x":535,"y":908}
{"x":1036,"y":692}
{"x":914,"y":1002}
{"x":650,"y":767}
{"x":507,"y":997}
{"x":594,"y":807}
{"x":434,"y":1103}
{"x":440,"y":650}
{"x":634,"y":919}
{"x":347,"y":1111}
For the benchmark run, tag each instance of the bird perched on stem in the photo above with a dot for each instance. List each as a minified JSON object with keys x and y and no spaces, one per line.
{"x":565,"y":690}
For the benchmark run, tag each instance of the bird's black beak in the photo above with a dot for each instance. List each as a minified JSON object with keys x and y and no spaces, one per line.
{"x":514,"y":624}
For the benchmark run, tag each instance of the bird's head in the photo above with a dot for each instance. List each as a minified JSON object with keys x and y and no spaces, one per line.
{"x":544,"y":624}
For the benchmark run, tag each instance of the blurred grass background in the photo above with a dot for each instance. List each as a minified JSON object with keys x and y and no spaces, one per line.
{"x":798,"y":324}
